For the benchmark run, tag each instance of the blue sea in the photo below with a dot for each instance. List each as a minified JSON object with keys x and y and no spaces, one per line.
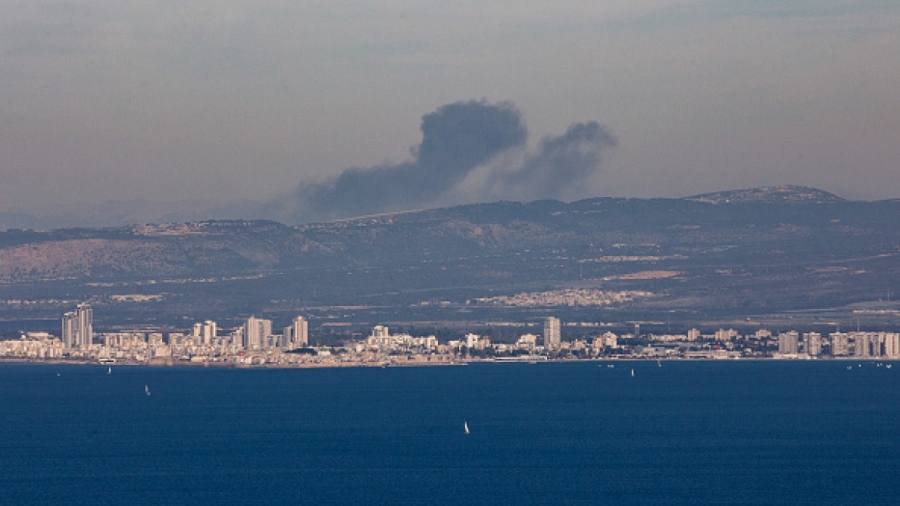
{"x":550,"y":433}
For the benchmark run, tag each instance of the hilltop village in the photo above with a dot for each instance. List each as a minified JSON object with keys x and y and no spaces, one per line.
{"x":256,"y":344}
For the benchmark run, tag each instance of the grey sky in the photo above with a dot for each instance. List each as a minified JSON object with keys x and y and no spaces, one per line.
{"x":224,"y":100}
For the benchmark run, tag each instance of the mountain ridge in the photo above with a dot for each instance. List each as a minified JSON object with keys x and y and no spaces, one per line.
{"x":693,"y":255}
{"x":770,"y":194}
{"x":115,"y":214}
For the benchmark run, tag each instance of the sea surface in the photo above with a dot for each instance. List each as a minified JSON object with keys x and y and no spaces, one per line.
{"x":679,"y":432}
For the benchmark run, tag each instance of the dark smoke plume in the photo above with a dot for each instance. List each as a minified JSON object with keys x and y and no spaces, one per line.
{"x":457,"y":161}
{"x":455,"y":139}
{"x":559,"y":169}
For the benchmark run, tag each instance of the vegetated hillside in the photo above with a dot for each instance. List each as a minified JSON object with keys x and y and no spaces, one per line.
{"x":768,"y":250}
{"x":216,"y":248}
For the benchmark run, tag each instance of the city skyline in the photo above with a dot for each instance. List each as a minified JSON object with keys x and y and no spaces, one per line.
{"x":254,"y":343}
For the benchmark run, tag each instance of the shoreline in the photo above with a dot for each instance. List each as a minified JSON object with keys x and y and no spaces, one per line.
{"x":463,"y":362}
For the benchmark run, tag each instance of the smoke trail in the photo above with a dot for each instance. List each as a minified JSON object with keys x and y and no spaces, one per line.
{"x":455,"y":139}
{"x":459,"y":160}
{"x":560,"y":167}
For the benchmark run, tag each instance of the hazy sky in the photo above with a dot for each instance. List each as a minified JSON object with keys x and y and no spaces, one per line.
{"x":223,"y":99}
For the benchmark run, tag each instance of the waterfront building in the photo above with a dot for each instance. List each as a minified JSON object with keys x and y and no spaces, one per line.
{"x":209,"y":331}
{"x":726,"y":335}
{"x":69,"y":327}
{"x":610,"y":340}
{"x":812,"y":343}
{"x":78,"y":328}
{"x":380,"y":338}
{"x":287,"y":337}
{"x":527,"y":342}
{"x":787,"y":342}
{"x":300,"y":333}
{"x":892,"y":345}
{"x":863,"y":344}
{"x":84,"y":316}
{"x":839,"y":344}
{"x":256,"y":333}
{"x":597,"y":346}
{"x":552,"y":337}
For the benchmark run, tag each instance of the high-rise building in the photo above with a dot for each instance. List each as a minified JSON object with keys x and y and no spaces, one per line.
{"x":787,"y":342}
{"x":693,"y":334}
{"x":78,"y":328}
{"x":552,"y":337}
{"x":812,"y":343}
{"x":287,"y":337}
{"x":256,"y":333}
{"x":863,"y":342}
{"x":839,"y":344}
{"x":69,"y":327}
{"x":209,"y":331}
{"x":892,"y":345}
{"x":85,"y":317}
{"x":300,"y":333}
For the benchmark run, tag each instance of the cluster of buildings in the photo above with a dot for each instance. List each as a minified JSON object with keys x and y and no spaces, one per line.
{"x":256,"y":343}
{"x":839,"y":344}
{"x":568,"y":297}
{"x":248,"y":343}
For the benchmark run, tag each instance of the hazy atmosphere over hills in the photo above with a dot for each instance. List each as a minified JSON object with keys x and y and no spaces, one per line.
{"x":131,"y":112}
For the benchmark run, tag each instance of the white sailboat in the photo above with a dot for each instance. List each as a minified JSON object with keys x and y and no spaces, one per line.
{"x":466,"y":427}
{"x":147,"y":390}
{"x":632,"y":373}
{"x":109,"y":371}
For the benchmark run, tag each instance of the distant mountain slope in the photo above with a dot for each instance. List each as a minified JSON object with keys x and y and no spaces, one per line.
{"x":770,"y":195}
{"x":694,"y":254}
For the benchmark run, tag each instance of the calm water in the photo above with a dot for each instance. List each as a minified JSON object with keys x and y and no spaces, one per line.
{"x":683,"y":433}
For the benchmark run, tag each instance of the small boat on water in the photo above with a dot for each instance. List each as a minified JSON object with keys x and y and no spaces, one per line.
{"x":632,"y":373}
{"x":465,"y":427}
{"x":147,"y":390}
{"x":109,"y":370}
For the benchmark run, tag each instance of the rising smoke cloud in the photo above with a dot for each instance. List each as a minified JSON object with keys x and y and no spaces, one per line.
{"x":459,"y":140}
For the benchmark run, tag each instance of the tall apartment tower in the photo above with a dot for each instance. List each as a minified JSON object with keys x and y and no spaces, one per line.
{"x":552,"y":336}
{"x":256,"y":332}
{"x":68,"y":329}
{"x":787,"y":342}
{"x":300,"y":333}
{"x":812,"y":343}
{"x":839,"y":344}
{"x":85,"y":317}
{"x":78,"y":328}
{"x":209,"y":331}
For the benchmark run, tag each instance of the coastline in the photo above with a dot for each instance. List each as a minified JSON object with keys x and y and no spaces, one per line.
{"x":459,"y":362}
